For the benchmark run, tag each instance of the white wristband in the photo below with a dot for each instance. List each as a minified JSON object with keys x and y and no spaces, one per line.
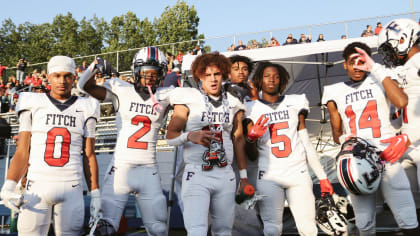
{"x":413,"y":135}
{"x":379,"y":72}
{"x":181,"y":139}
{"x":243,"y":174}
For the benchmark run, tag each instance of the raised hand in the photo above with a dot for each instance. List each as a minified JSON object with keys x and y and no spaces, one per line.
{"x":258,"y":129}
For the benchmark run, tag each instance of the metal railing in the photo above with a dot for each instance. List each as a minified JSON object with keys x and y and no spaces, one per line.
{"x":350,"y":28}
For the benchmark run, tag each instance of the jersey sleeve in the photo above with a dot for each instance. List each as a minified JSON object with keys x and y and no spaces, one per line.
{"x":163,"y":95}
{"x":327,"y":95}
{"x":26,"y":102}
{"x":93,"y":108}
{"x":249,"y":111}
{"x":180,"y":96}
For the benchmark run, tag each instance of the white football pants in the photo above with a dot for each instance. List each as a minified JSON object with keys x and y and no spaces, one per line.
{"x":395,"y":189}
{"x":122,"y":179}
{"x":205,"y":192}
{"x":61,"y":200}
{"x":298,"y":190}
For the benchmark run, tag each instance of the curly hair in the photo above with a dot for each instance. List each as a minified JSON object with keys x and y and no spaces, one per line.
{"x":349,"y":50}
{"x":244,"y":59}
{"x":198,"y":67}
{"x":259,"y":73}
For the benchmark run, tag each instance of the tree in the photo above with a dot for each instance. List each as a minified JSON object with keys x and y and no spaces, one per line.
{"x":65,"y":32}
{"x":176,"y":24}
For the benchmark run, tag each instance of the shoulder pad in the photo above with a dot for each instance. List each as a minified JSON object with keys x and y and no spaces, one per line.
{"x":164,"y":93}
{"x":239,"y":91}
{"x":183,"y":95}
{"x":27,"y":101}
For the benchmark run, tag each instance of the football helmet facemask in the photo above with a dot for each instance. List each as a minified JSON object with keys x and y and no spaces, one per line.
{"x":396,"y":39}
{"x":329,"y":218}
{"x":359,"y":167}
{"x":149,"y":58}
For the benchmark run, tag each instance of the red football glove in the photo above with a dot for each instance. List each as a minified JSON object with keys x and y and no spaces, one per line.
{"x":365,"y":58}
{"x":258,"y":129}
{"x":326,"y":187}
{"x":395,"y":150}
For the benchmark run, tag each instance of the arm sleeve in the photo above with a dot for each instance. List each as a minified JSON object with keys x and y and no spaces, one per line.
{"x":25,"y":121}
{"x":311,"y":155}
{"x":326,"y":95}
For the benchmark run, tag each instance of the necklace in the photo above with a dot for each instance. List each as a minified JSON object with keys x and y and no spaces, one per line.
{"x":215,"y":155}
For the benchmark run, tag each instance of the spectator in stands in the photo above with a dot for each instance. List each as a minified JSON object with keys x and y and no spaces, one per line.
{"x":2,"y":68}
{"x":47,"y":85}
{"x":364,"y":34}
{"x":173,"y":78}
{"x":320,"y":38}
{"x":302,"y":38}
{"x":36,"y":79}
{"x":343,"y":36}
{"x":100,"y":80}
{"x":4,"y":105}
{"x":378,"y":28}
{"x":14,"y":102}
{"x":290,"y":40}
{"x":198,"y":50}
{"x":231,"y":48}
{"x":368,"y":31}
{"x":309,"y":38}
{"x":83,"y":67}
{"x":20,"y":71}
{"x":2,"y":84}
{"x":179,"y":57}
{"x":255,"y":44}
{"x":240,"y":46}
{"x":18,"y":85}
{"x":28,"y":80}
{"x":273,"y":42}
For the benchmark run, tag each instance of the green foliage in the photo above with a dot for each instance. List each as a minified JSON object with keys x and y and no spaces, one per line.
{"x":67,"y":36}
{"x":176,"y":24}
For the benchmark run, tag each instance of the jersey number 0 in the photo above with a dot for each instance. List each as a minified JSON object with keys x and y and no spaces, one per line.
{"x":50,"y":146}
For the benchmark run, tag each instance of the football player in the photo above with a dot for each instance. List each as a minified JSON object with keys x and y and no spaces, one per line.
{"x":54,"y":129}
{"x":361,"y":107}
{"x":277,"y":130}
{"x":208,"y":122}
{"x":399,"y":46}
{"x":139,"y":116}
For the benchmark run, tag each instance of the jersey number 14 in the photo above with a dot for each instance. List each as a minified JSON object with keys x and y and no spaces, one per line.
{"x":368,"y":119}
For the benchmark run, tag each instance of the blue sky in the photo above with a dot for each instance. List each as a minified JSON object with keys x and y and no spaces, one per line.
{"x":224,"y":17}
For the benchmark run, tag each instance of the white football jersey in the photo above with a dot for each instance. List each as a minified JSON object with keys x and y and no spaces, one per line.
{"x":197,"y":120}
{"x":57,"y":135}
{"x":136,"y":122}
{"x":409,"y":78}
{"x":280,"y":150}
{"x":364,"y":109}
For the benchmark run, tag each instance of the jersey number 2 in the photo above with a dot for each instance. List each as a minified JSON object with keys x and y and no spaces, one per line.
{"x":50,"y":145}
{"x":368,"y":119}
{"x":132,"y":140}
{"x":275,"y":138}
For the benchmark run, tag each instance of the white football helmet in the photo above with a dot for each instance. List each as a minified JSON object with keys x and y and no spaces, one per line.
{"x":359,"y":167}
{"x":395,"y":40}
{"x":329,"y":218}
{"x":149,"y":58}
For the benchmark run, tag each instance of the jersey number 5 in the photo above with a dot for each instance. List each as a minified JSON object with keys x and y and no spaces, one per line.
{"x":275,"y":138}
{"x":132,"y":140}
{"x":368,"y":119}
{"x":50,"y":146}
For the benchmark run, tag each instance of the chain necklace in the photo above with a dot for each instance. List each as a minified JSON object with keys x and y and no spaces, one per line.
{"x":215,"y":155}
{"x":209,"y":108}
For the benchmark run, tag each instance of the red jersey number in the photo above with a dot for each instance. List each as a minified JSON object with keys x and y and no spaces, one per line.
{"x":275,"y":138}
{"x":132,"y":140}
{"x":50,"y":146}
{"x":368,"y":119}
